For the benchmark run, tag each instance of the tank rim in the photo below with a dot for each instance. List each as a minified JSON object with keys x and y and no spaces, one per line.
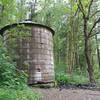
{"x":26,"y":23}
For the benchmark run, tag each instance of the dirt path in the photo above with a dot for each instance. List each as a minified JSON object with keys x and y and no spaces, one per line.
{"x":68,"y":94}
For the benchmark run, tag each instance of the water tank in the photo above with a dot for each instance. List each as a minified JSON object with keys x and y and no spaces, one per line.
{"x":36,"y":52}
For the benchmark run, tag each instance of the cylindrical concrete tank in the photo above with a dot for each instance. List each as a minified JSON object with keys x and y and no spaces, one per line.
{"x":37,"y":51}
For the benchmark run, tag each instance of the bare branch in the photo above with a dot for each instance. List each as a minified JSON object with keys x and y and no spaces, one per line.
{"x":95,"y":23}
{"x":91,"y":2}
{"x":81,"y":5}
{"x":95,"y":13}
{"x":94,"y":34}
{"x":76,"y":11}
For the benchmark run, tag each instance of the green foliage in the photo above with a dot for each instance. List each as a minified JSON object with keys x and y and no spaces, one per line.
{"x":12,"y":94}
{"x":8,"y":74}
{"x":60,"y":67}
{"x":64,"y":79}
{"x":7,"y":69}
{"x":62,"y":76}
{"x":8,"y":13}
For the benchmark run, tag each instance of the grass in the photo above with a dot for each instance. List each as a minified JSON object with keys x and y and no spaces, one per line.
{"x":12,"y":94}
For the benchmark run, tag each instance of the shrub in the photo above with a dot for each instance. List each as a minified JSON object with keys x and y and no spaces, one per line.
{"x":8,"y":74}
{"x":63,"y":79}
{"x":13,"y":83}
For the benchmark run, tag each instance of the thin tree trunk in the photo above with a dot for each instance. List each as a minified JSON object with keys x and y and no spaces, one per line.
{"x":88,"y":54}
{"x":98,"y":52}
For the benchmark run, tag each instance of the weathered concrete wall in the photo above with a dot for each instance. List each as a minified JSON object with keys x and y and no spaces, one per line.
{"x":36,"y":55}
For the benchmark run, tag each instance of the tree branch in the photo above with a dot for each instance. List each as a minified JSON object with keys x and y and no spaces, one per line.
{"x":76,"y":12}
{"x":89,"y":8}
{"x":80,"y":6}
{"x":95,"y":23}
{"x":94,"y":34}
{"x":95,"y":13}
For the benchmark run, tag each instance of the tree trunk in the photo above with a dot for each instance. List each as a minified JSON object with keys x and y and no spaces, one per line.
{"x":88,"y":54}
{"x":89,"y":61}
